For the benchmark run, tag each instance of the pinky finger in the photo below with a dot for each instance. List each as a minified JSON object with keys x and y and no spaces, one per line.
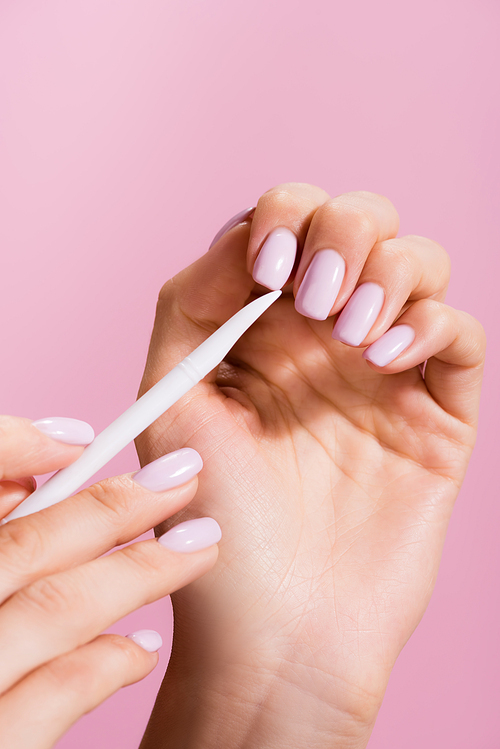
{"x":454,"y":344}
{"x":38,"y":710}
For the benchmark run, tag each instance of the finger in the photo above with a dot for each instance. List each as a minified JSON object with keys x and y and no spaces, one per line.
{"x":396,"y":272}
{"x":12,"y":493}
{"x":279,"y":228}
{"x":105,"y":515}
{"x":59,"y":613}
{"x":37,"y":711}
{"x":454,"y":344}
{"x":341,"y":236}
{"x":207,"y":293}
{"x":27,"y":447}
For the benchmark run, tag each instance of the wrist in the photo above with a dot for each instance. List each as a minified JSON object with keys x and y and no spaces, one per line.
{"x":223,"y":696}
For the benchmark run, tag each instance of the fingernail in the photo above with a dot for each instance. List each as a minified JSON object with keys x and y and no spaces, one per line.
{"x":321,"y":284}
{"x":359,"y":314}
{"x":192,"y":535}
{"x":390,"y":345}
{"x":276,"y":258}
{"x":238,"y":219}
{"x":147,"y":639}
{"x":62,"y":429}
{"x":28,"y":482}
{"x":170,"y":470}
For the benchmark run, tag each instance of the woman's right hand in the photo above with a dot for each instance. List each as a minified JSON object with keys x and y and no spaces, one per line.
{"x":56,"y":596}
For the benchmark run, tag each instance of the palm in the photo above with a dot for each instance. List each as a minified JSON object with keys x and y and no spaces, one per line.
{"x":333,"y":485}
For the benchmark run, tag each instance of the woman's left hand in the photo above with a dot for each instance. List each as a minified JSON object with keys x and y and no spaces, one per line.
{"x":333,"y":477}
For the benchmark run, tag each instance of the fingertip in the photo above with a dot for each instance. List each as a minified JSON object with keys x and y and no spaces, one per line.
{"x":192,"y":535}
{"x":67,"y":430}
{"x":147,"y":639}
{"x":389,"y":346}
{"x":276,"y":259}
{"x":171,"y":470}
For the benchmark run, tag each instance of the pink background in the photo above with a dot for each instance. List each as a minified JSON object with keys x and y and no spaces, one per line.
{"x":131,"y":130}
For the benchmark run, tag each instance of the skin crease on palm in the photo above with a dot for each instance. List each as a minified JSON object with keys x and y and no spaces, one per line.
{"x":333,"y":482}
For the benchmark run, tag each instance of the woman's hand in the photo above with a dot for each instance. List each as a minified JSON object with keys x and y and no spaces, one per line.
{"x":332,"y":472}
{"x":56,"y":596}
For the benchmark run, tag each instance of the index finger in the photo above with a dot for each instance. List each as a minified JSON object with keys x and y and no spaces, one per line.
{"x":26,"y":449}
{"x":279,"y":227}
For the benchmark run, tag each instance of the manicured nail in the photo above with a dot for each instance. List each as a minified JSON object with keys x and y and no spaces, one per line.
{"x":170,"y":470}
{"x":192,"y":535}
{"x":238,"y":219}
{"x":62,"y":429}
{"x":321,"y":284}
{"x":359,"y":314}
{"x":276,"y":258}
{"x":390,"y":345}
{"x":147,"y":639}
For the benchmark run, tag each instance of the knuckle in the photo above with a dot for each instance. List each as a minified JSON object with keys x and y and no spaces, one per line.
{"x":112,"y":500}
{"x":476,"y":339}
{"x":98,"y":492}
{"x":294,"y":189}
{"x":442,"y":270}
{"x":145,"y":558}
{"x":356,"y":224}
{"x":281,"y":197}
{"x":22,"y":548}
{"x":112,"y":659}
{"x":435,"y":248}
{"x":468,"y":333}
{"x":364,"y":196}
{"x":7,"y":424}
{"x":434,"y":311}
{"x":68,"y":673}
{"x":481,"y":335}
{"x":366,"y":223}
{"x":165,"y":293}
{"x":54,"y":595}
{"x":395,"y":254}
{"x":431,"y":314}
{"x":439,"y":250}
{"x":78,"y":678}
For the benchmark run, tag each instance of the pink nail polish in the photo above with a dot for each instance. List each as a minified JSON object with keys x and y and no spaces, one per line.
{"x":390,"y":345}
{"x":359,"y":314}
{"x":63,"y":429}
{"x":276,"y":258}
{"x":234,"y":221}
{"x":147,"y":639}
{"x":170,"y":470}
{"x":321,"y":284}
{"x":192,"y":535}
